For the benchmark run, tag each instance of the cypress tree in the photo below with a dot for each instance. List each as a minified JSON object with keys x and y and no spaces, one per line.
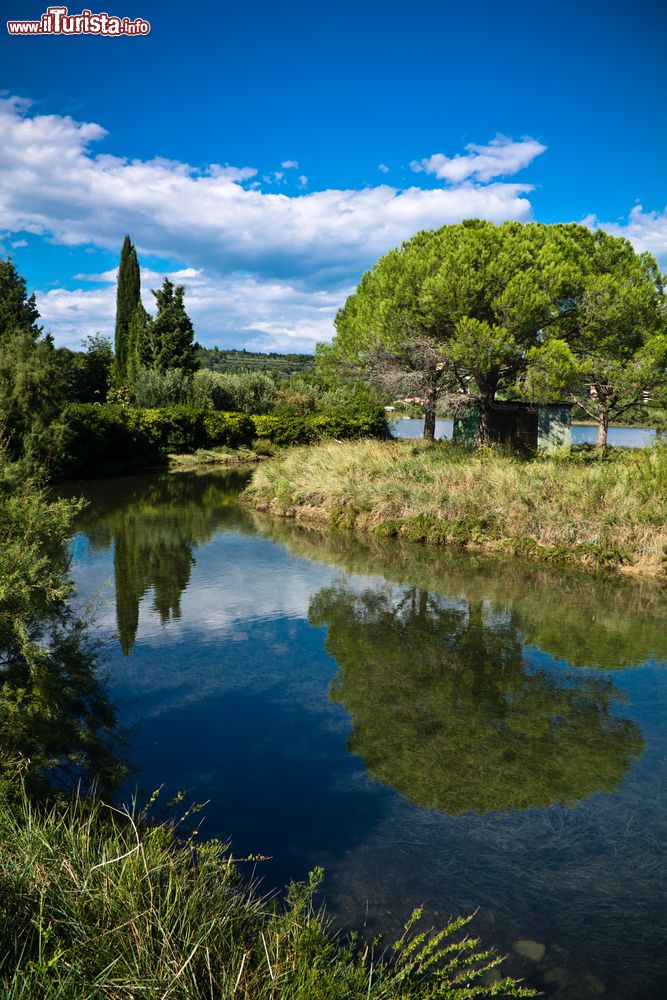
{"x":171,"y":331}
{"x":128,"y":297}
{"x":139,"y":346}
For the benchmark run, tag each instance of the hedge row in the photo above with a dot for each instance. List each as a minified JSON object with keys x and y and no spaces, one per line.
{"x":285,"y":430}
{"x":90,"y":439}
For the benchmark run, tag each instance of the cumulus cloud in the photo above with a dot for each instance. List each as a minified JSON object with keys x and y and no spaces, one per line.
{"x":290,"y":164}
{"x":383,"y":168}
{"x":232,"y":310}
{"x":274,"y":265}
{"x":645,"y":230}
{"x":502,"y":157}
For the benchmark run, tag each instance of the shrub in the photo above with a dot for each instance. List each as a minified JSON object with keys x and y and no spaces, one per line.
{"x":245,"y":393}
{"x":232,"y":430}
{"x":91,"y":439}
{"x":175,"y":428}
{"x":287,"y":429}
{"x":154,"y":388}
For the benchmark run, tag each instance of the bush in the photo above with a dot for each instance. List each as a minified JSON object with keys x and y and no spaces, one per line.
{"x":287,"y":429}
{"x":246,"y":393}
{"x":90,"y":439}
{"x":232,"y":430}
{"x":153,"y":388}
{"x":157,"y":390}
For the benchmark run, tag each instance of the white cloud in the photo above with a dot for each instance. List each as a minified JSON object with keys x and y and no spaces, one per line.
{"x":233,"y":310}
{"x":383,"y":168}
{"x":264,"y":259}
{"x":502,"y":157}
{"x":290,"y":165}
{"x":645,"y":230}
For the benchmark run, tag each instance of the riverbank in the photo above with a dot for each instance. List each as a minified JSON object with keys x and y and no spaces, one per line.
{"x":600,"y":512}
{"x":97,"y":901}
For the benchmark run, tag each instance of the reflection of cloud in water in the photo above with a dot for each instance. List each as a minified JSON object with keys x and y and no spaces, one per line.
{"x":239,"y":616}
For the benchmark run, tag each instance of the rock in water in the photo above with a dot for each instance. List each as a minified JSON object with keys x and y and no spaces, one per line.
{"x":532,"y":950}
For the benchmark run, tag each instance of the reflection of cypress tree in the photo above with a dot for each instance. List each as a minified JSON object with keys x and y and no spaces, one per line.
{"x":446,"y":710}
{"x":155,"y":523}
{"x":130,"y":588}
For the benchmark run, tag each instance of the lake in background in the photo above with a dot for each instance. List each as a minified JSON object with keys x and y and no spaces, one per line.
{"x":626,"y":437}
{"x":430,"y":727}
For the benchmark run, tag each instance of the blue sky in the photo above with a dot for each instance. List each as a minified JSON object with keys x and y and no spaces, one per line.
{"x":266,"y":155}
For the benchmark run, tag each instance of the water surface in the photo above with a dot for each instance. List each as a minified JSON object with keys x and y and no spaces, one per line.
{"x":625,"y":437}
{"x":429,"y":727}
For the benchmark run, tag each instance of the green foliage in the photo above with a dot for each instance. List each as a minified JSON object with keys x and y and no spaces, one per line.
{"x":139,"y":349}
{"x":289,"y":429}
{"x":89,"y":439}
{"x":250,"y":392}
{"x":18,"y":311}
{"x":155,"y":388}
{"x":87,"y":375}
{"x":171,"y":334}
{"x":232,"y":430}
{"x":31,"y":387}
{"x":56,"y":724}
{"x":468,"y":309}
{"x":615,"y":355}
{"x":96,"y":901}
{"x":128,"y":297}
{"x":32,"y":377}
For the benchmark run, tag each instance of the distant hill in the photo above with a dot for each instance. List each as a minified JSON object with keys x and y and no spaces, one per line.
{"x":247,"y":361}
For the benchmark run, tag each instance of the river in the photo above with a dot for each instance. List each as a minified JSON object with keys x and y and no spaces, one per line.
{"x":430,"y":727}
{"x":625,"y":437}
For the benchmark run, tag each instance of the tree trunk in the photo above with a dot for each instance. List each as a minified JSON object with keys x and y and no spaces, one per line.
{"x":429,"y":415}
{"x":603,"y":427}
{"x":484,"y":426}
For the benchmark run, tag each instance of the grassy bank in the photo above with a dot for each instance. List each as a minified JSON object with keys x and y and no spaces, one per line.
{"x":95,"y":902}
{"x":608,"y":512}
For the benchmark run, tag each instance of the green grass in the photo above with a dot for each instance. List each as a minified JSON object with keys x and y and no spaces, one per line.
{"x":95,"y":902}
{"x":605,"y":511}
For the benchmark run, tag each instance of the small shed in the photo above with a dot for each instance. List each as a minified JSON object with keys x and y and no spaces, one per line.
{"x":522,"y":427}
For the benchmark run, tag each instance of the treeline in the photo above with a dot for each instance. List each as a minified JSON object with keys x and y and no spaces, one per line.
{"x":61,"y":410}
{"x":238,"y":362}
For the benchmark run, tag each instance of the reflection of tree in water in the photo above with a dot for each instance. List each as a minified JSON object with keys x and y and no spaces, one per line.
{"x":56,"y":722}
{"x":57,"y":726}
{"x":588,"y":620}
{"x":155,"y":524}
{"x":446,"y":709}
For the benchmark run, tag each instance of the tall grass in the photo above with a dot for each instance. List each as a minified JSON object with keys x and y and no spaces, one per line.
{"x":609,"y":510}
{"x":95,"y":902}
